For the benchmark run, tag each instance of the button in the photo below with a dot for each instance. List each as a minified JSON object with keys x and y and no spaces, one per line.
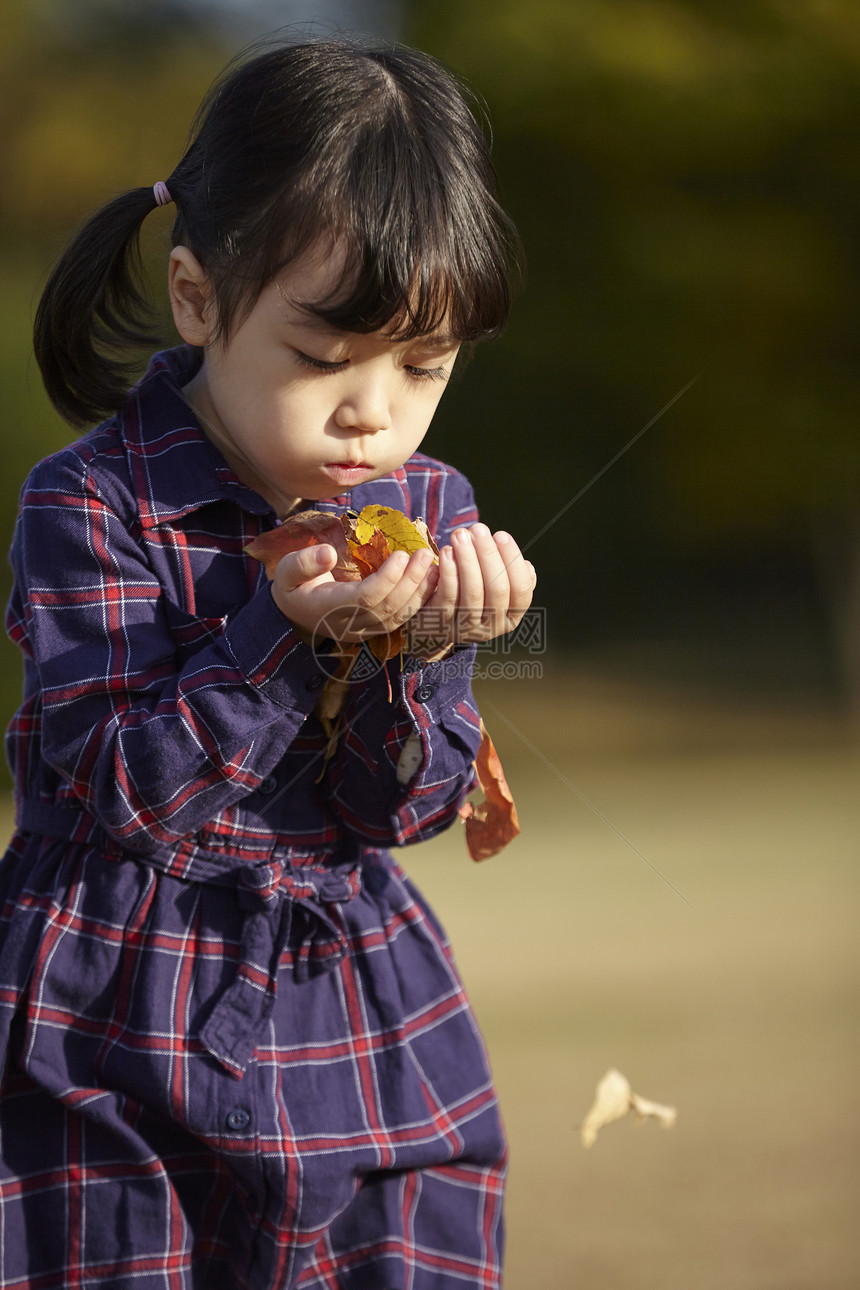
{"x":268,"y":785}
{"x":238,"y":1118}
{"x":375,"y":879}
{"x":425,"y":693}
{"x":315,"y":683}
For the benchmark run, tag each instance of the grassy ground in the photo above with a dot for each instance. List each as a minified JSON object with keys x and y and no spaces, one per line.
{"x":731,"y":993}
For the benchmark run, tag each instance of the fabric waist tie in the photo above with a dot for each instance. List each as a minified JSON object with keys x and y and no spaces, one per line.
{"x":276,"y":896}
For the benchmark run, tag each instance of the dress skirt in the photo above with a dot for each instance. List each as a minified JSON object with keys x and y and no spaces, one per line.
{"x":246,"y":1077}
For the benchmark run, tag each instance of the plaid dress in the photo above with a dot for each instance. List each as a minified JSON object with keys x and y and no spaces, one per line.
{"x":236,"y":1050}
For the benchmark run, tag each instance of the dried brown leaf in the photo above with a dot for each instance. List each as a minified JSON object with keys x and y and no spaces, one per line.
{"x":493,"y":823}
{"x":308,"y":528}
{"x":614,"y":1099}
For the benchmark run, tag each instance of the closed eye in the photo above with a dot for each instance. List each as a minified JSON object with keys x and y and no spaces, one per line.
{"x":325,"y":365}
{"x":426,"y":373}
{"x":319,"y":364}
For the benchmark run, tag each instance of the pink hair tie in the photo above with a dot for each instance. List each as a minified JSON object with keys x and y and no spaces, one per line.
{"x":162,"y":196}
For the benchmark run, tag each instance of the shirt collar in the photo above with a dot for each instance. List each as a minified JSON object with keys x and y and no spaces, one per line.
{"x":174,"y":467}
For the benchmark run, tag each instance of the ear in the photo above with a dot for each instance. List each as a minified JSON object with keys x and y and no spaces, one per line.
{"x":190,"y":297}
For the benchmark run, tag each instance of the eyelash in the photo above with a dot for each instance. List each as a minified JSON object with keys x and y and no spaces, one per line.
{"x":416,"y":373}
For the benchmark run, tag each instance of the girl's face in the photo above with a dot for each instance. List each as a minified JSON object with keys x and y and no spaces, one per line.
{"x":298,"y":409}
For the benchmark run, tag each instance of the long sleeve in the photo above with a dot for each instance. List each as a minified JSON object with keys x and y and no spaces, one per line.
{"x":152,"y":749}
{"x":429,"y":707}
{"x":432,"y":709}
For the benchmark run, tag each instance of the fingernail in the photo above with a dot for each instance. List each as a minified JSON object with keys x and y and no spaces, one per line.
{"x":503,"y":538}
{"x":321,"y":554}
{"x":480,"y":530}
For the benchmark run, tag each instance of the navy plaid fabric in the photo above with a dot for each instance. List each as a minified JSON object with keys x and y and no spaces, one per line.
{"x":237,"y":1052}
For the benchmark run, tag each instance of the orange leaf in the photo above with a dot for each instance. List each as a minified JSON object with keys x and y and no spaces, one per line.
{"x":370,"y":555}
{"x":491,"y":824}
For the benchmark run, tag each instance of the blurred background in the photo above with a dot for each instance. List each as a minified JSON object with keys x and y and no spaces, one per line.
{"x":669,"y":426}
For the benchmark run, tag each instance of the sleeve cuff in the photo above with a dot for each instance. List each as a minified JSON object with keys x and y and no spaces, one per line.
{"x":440,"y":693}
{"x":273,"y":658}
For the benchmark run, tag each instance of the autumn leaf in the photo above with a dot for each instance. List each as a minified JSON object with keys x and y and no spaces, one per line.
{"x":371,"y":554}
{"x":307,"y":528}
{"x":493,"y":823}
{"x":372,"y":536}
{"x":401,"y":533}
{"x":614,"y":1099}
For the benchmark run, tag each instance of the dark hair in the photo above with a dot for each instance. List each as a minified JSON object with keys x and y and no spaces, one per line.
{"x":373,"y":148}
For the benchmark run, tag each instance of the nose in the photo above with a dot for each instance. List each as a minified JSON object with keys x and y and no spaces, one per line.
{"x":364,"y":406}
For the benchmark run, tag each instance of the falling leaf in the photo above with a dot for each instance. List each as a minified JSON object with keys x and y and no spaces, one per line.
{"x":614,"y":1099}
{"x":491,"y":824}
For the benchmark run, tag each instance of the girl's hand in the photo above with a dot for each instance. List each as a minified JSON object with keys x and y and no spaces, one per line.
{"x":321,"y":608}
{"x":484,"y":588}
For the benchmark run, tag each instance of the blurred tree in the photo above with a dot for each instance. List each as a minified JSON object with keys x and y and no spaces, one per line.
{"x":685,"y":176}
{"x":88,"y":114}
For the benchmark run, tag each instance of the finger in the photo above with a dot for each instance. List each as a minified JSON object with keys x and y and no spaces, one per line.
{"x":299,"y":567}
{"x":470,"y":622}
{"x":414,"y":588}
{"x":469,"y":576}
{"x":374,"y":588}
{"x":397,"y":588}
{"x":431,"y":629}
{"x":522,"y":576}
{"x":495,"y":575}
{"x":444,"y":597}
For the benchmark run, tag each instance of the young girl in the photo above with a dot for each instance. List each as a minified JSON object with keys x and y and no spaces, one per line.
{"x":236,"y":1050}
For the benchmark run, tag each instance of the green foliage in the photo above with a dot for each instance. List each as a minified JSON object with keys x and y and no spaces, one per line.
{"x":683,"y":175}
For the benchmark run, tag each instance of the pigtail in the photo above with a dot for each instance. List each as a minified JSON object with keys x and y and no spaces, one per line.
{"x":94,"y":307}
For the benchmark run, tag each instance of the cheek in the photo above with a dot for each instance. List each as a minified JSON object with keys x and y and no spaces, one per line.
{"x":429,"y":409}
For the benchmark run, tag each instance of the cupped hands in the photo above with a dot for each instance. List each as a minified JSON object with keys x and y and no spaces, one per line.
{"x":480,"y":589}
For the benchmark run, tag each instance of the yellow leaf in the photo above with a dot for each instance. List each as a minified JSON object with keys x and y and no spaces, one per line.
{"x":402,"y":533}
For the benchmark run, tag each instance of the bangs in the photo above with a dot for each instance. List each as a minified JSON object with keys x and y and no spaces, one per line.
{"x":417,"y":256}
{"x":409,"y":296}
{"x":402,"y":186}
